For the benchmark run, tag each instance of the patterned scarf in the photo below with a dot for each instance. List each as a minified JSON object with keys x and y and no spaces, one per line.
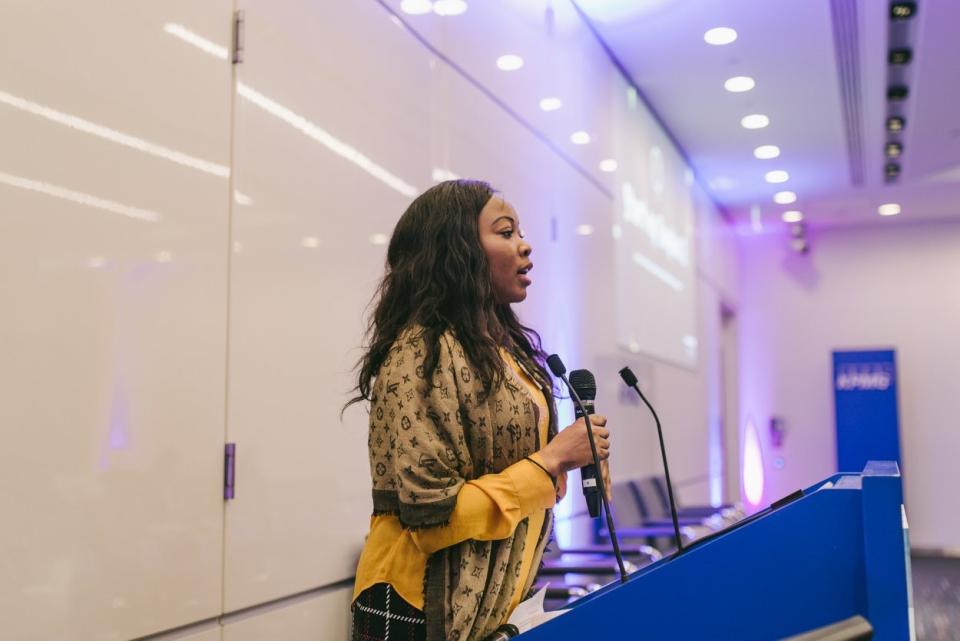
{"x":427,"y":438}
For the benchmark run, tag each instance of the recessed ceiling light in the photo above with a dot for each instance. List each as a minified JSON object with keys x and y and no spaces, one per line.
{"x":416,"y":7}
{"x":509,"y":62}
{"x":584,"y":230}
{"x":449,"y":7}
{"x":738,"y":84}
{"x":889,"y":209}
{"x":163,"y":257}
{"x":766,"y":152}
{"x":97,"y":262}
{"x":893,"y":149}
{"x":379,"y":239}
{"x":551,"y":104}
{"x":754,"y":121}
{"x":776,"y":176}
{"x":720,"y":36}
{"x":895,"y":124}
{"x":310,"y":242}
{"x":580,"y":138}
{"x":608,"y":165}
{"x":784,"y":197}
{"x":792,"y":216}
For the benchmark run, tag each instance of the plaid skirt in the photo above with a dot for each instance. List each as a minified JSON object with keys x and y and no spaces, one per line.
{"x":379,"y":614}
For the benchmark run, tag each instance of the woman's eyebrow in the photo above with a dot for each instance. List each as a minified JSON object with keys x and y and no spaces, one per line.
{"x":510,"y":218}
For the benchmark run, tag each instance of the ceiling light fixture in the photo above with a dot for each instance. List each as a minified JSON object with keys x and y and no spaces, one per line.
{"x":792,"y":216}
{"x":785,"y":197}
{"x":900,"y":56}
{"x":888,"y":209}
{"x":608,"y":165}
{"x":766,"y":152}
{"x":509,"y":62}
{"x":720,"y":36}
{"x":379,"y":239}
{"x":754,"y":121}
{"x":895,"y":124}
{"x":903,"y":10}
{"x":580,"y":138}
{"x":893,"y":149}
{"x":897,"y":93}
{"x":891,"y":171}
{"x":584,"y":230}
{"x":776,"y":176}
{"x":739,"y":84}
{"x":550,"y":104}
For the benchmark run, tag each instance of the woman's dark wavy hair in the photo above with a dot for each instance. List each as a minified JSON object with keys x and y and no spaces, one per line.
{"x":437,"y":276}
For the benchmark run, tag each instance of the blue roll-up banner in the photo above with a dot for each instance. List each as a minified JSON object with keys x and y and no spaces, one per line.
{"x":865,"y":399}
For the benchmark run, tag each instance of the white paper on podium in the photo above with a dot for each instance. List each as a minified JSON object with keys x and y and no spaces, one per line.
{"x":529,"y":614}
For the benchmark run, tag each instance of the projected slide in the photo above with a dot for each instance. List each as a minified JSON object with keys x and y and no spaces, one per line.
{"x":653,"y":230}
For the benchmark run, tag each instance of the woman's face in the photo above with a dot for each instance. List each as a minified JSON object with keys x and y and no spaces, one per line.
{"x":507,"y":252}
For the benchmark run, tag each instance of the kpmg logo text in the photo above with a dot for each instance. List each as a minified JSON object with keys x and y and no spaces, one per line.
{"x":864,"y":376}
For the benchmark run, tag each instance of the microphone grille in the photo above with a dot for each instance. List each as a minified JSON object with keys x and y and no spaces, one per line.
{"x":583,"y":381}
{"x":556,"y":365}
{"x":628,"y":376}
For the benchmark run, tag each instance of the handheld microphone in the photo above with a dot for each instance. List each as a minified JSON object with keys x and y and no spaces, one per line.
{"x":584,"y":382}
{"x":559,"y":370}
{"x":630,"y":379}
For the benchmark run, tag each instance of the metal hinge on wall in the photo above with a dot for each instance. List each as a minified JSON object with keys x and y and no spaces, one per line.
{"x":229,"y":470}
{"x":237,"y":37}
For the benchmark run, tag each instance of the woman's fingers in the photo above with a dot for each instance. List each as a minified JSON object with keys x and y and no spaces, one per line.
{"x":601,"y":432}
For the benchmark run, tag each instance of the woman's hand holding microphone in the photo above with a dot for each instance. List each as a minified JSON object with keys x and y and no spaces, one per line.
{"x":570,"y":448}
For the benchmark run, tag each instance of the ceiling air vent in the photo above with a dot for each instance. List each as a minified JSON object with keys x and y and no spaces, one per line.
{"x":846,"y":41}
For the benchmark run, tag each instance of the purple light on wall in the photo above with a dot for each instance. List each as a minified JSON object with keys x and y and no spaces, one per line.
{"x":752,"y":472}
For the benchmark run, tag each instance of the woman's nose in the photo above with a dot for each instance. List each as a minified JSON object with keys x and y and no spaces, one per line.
{"x":525,"y":249}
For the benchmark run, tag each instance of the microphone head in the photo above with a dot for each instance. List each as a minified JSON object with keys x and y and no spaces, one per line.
{"x":556,"y":365}
{"x":585,"y":384}
{"x":628,"y":376}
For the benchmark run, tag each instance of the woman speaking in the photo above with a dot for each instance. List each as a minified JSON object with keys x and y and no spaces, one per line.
{"x":465,"y":457}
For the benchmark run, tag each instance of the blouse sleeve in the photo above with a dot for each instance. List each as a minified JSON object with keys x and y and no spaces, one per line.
{"x":489,"y":508}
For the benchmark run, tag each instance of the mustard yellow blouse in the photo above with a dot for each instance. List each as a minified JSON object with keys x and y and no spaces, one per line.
{"x":488,"y":508}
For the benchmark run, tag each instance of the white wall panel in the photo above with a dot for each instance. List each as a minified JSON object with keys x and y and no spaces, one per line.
{"x":331,"y":148}
{"x":113,"y":237}
{"x":324,"y":617}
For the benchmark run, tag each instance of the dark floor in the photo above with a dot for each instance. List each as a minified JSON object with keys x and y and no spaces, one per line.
{"x":936,"y":598}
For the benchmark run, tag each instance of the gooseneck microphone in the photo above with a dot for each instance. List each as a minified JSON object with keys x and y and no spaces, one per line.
{"x":631,"y":381}
{"x":560,"y":370}
{"x":586,"y":385}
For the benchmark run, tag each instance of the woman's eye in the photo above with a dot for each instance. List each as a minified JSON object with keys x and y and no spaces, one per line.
{"x":507,"y":233}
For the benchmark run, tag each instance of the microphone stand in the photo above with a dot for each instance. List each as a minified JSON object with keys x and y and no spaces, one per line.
{"x":559,"y":370}
{"x":631,"y":381}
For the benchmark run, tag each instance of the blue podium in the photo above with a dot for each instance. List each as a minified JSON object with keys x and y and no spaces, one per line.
{"x":837,"y":551}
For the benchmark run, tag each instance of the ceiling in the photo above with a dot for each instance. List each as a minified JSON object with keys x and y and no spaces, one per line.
{"x":790,"y":48}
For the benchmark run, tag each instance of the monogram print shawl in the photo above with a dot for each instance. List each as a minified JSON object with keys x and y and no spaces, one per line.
{"x":428,"y":436}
